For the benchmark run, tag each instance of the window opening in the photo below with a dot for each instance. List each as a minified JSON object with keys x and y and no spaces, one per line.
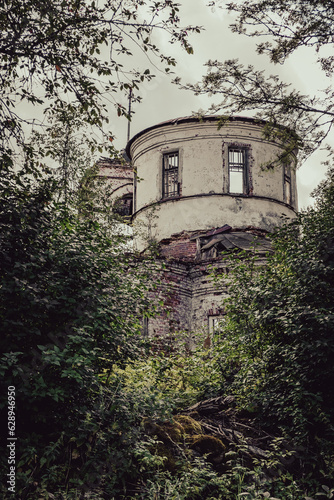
{"x":215,"y":323}
{"x":123,"y":205}
{"x":237,"y":165}
{"x":287,"y":185}
{"x":170,"y":175}
{"x":145,"y":326}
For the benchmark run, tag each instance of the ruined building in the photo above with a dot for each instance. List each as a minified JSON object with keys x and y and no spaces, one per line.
{"x":198,"y":190}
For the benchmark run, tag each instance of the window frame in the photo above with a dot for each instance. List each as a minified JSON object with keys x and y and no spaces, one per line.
{"x":242,"y":166}
{"x":170,"y":171}
{"x":287,"y":184}
{"x":216,"y":324}
{"x":145,"y":326}
{"x":123,"y":206}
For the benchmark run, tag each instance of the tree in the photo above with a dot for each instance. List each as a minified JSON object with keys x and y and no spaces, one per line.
{"x":74,"y":53}
{"x":71,"y":298}
{"x":61,"y":148}
{"x":286,"y":26}
{"x":71,"y":302}
{"x":279,"y":348}
{"x":290,"y":25}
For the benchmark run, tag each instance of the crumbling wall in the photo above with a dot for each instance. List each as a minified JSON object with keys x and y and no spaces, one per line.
{"x":119,"y":176}
{"x":189,"y":288}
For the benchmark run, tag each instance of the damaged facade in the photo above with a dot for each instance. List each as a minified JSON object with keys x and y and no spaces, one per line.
{"x":198,"y":190}
{"x":119,"y":175}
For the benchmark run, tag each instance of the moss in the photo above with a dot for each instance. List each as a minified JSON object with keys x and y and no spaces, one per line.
{"x":166,"y":431}
{"x":167,"y":452}
{"x":183,"y":429}
{"x":189,"y":425}
{"x":210,"y":446}
{"x":168,"y":434}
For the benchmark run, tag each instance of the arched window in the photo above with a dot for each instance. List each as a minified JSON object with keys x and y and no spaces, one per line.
{"x":123,"y":206}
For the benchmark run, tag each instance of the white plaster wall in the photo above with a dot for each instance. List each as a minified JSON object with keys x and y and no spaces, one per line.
{"x":206,"y":212}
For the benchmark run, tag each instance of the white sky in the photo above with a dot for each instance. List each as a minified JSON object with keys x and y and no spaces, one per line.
{"x":162,"y":100}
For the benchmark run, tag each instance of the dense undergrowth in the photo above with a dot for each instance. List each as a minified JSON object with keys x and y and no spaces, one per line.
{"x":103,"y":414}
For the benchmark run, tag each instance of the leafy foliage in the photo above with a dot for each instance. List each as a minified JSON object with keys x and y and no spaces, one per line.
{"x":179,"y":376}
{"x":71,"y":344}
{"x":62,"y":149}
{"x":289,"y":24}
{"x":70,"y":305}
{"x":73,"y":55}
{"x":279,"y":342}
{"x":285,"y":26}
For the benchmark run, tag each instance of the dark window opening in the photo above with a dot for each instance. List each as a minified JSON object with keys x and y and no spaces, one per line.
{"x":123,"y":206}
{"x":145,"y":326}
{"x":170,"y":186}
{"x":237,"y":167}
{"x":287,"y":185}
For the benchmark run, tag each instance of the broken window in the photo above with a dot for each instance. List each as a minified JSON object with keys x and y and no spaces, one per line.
{"x":215,"y":324}
{"x":145,"y":326}
{"x":170,"y":183}
{"x":123,"y":206}
{"x":237,"y":167}
{"x":287,"y":185}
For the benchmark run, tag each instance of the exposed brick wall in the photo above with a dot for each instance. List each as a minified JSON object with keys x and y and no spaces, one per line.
{"x":207,"y":297}
{"x":175,"y":291}
{"x":178,"y":247}
{"x":190,"y":296}
{"x":190,"y":293}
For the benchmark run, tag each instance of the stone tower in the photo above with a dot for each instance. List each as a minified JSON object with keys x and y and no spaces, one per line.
{"x":200,"y":189}
{"x":193,"y":176}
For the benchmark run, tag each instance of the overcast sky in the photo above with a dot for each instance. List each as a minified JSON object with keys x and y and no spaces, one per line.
{"x":162,"y":100}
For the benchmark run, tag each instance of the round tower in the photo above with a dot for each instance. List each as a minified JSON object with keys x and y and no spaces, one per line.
{"x":191,"y":175}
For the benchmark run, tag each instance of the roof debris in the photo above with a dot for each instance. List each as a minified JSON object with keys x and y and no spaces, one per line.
{"x":210,"y":244}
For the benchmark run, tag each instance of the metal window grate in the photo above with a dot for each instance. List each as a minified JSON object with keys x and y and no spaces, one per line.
{"x":287,"y":185}
{"x":170,"y":175}
{"x":237,"y":170}
{"x":236,"y":160}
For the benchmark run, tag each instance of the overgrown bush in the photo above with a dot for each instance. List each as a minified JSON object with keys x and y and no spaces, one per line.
{"x":86,"y":382}
{"x":277,"y":354}
{"x":181,"y":376}
{"x":70,"y":305}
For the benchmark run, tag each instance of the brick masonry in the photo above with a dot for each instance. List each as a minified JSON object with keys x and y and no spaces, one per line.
{"x":188,"y":288}
{"x":190,"y":296}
